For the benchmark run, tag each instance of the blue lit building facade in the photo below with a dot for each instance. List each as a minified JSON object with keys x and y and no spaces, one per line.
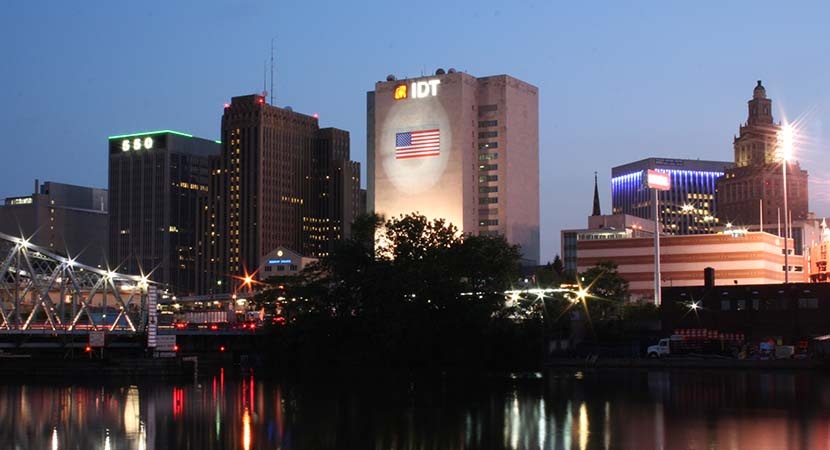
{"x":689,"y":207}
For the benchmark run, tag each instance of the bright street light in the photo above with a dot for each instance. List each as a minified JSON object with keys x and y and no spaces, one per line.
{"x":785,"y":151}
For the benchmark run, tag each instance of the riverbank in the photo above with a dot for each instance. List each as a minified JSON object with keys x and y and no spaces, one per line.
{"x":702,"y":362}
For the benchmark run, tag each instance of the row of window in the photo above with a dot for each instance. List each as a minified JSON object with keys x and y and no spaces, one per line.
{"x":488,"y":123}
{"x":767,"y":304}
{"x":488,"y":222}
{"x":488,"y":134}
{"x":281,"y":268}
{"x":488,"y":156}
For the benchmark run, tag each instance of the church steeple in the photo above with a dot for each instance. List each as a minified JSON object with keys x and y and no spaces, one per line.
{"x":596,"y":211}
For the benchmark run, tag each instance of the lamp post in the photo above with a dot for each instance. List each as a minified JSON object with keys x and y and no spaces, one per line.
{"x":785,"y":146}
{"x":656,"y":181}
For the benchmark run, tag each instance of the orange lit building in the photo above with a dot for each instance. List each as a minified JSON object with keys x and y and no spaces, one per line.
{"x":738,"y":257}
{"x":459,"y":148}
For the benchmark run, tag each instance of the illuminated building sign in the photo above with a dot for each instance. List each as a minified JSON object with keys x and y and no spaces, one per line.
{"x":136,"y":144}
{"x":21,"y":201}
{"x":657,"y":180}
{"x":417,"y":89}
{"x":279,"y":261}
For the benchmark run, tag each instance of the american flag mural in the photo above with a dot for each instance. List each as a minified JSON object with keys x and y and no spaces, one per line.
{"x":417,"y":144}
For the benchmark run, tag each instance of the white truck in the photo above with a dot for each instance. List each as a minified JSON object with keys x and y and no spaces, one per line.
{"x":662,"y":348}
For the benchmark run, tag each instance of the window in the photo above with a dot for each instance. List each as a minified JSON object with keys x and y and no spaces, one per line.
{"x":725,"y":305}
{"x":488,"y":212}
{"x":280,"y":268}
{"x":488,"y":123}
{"x":293,"y":267}
{"x":807,"y":303}
{"x":488,"y":134}
{"x":741,"y":305}
{"x":488,"y":156}
{"x":484,"y":167}
{"x":486,"y":145}
{"x":487,"y":178}
{"x":488,"y":108}
{"x":488,"y":222}
{"x":267,"y":268}
{"x":487,"y":189}
{"x":487,"y":200}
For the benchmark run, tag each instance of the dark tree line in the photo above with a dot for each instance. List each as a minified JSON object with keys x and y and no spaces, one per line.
{"x":405,"y":292}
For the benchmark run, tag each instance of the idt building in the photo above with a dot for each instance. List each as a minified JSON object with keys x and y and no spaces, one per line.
{"x":459,"y":148}
{"x":157,"y":182}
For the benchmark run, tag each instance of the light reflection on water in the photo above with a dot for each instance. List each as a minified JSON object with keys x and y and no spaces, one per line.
{"x":592,"y":410}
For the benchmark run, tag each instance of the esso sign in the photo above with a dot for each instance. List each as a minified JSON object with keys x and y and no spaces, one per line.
{"x":417,"y":89}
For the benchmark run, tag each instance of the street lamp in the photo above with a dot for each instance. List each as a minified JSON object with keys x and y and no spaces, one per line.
{"x":656,"y":181}
{"x":785,"y":148}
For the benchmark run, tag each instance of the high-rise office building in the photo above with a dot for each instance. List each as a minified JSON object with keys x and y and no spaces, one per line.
{"x":460,"y":148}
{"x":157,"y":182}
{"x":280,"y":181}
{"x":752,"y":192}
{"x":68,"y":220}
{"x":689,"y":207}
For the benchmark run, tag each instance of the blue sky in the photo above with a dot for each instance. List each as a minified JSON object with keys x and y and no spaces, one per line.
{"x":618,"y":81}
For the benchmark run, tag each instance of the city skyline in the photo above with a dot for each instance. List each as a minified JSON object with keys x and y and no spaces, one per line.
{"x":616,"y":84}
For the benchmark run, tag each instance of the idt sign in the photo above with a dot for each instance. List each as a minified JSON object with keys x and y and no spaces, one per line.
{"x":417,"y":89}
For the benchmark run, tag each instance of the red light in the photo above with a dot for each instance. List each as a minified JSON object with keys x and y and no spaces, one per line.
{"x":260,"y":100}
{"x":88,"y":349}
{"x":175,"y":348}
{"x":316,"y":116}
{"x":227,"y":105}
{"x":214,"y":327}
{"x":222,"y":348}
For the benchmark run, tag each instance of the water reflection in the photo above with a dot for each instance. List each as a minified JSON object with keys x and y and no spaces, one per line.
{"x":591,"y":410}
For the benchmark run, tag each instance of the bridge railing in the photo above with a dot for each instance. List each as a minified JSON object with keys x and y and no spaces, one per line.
{"x":40,"y":290}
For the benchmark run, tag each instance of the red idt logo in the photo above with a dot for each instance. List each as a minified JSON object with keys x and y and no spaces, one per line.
{"x":418,"y":89}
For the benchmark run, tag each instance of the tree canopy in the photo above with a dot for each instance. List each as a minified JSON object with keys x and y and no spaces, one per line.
{"x":404,"y":286}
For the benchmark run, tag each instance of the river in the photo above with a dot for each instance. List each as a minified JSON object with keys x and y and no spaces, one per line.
{"x":632,"y":409}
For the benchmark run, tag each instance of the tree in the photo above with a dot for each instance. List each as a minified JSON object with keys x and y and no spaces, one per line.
{"x":607,"y":290}
{"x":553,"y":274}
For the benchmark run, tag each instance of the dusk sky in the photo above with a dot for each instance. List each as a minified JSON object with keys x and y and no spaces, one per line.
{"x":618,"y":81}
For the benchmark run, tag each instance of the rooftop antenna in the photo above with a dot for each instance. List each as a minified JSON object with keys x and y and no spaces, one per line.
{"x":264,"y":78}
{"x":272,"y":71}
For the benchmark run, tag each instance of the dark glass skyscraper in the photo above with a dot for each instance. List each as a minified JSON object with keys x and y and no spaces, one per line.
{"x":280,"y":180}
{"x":157,"y":182}
{"x":689,"y":207}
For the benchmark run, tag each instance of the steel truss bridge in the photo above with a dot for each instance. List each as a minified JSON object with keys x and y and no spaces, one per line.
{"x":44,"y":293}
